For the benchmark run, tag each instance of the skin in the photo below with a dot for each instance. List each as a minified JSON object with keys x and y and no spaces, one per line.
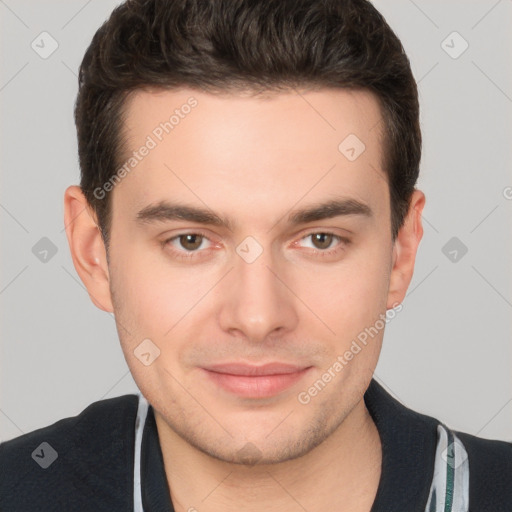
{"x":254,"y":160}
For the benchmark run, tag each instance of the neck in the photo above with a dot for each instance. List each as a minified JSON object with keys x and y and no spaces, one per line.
{"x":342,"y":474}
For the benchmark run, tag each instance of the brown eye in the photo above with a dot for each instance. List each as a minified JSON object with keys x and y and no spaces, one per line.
{"x":321,"y":240}
{"x":190,"y":242}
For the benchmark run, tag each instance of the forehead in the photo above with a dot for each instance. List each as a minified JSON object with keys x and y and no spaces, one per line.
{"x":252,"y":150}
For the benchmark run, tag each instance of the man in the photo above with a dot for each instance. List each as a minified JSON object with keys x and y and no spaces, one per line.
{"x":248,"y":212}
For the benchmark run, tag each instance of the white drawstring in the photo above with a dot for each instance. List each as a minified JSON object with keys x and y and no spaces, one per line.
{"x":142,"y":412}
{"x":444,"y":490}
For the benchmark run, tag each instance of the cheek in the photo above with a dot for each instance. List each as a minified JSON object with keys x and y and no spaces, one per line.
{"x":152,"y":296}
{"x":152,"y":302}
{"x":142,"y":298}
{"x":351,"y":302}
{"x":349,"y":296}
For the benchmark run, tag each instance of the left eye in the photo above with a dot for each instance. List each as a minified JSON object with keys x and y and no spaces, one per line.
{"x":191,"y":242}
{"x":322,"y":241}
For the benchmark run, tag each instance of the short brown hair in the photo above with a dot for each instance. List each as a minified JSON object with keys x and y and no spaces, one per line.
{"x":235,"y":45}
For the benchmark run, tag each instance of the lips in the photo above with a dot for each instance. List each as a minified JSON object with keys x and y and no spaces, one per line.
{"x":252,"y":381}
{"x":252,"y":370}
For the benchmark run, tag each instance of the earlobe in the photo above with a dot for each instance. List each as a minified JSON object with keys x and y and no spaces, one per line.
{"x":87,"y":247}
{"x":405,"y":249}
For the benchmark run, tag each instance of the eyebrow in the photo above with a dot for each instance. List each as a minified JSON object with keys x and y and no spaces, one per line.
{"x":166,"y":211}
{"x":330,"y":209}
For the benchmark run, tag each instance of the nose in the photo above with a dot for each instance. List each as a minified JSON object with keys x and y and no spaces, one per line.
{"x":258,"y":303}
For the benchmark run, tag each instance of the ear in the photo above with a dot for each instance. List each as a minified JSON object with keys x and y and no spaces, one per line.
{"x":87,"y":247}
{"x":404,"y":250}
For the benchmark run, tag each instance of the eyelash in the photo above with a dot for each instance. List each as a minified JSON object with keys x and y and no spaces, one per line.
{"x":343,"y":242}
{"x":187,"y":255}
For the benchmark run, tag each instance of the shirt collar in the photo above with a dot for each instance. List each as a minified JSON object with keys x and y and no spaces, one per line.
{"x":409,"y":441}
{"x":155,"y":489}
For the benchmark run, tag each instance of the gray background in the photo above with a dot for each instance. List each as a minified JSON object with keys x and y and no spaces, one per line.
{"x":447,"y":354}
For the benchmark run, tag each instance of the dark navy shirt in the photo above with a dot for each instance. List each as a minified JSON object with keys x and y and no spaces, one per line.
{"x":87,"y":463}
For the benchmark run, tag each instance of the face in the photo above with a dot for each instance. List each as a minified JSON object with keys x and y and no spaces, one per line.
{"x":250,"y":248}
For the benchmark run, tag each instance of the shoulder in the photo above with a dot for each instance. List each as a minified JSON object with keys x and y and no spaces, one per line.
{"x":73,"y":461}
{"x":490,"y":473}
{"x":417,"y":444}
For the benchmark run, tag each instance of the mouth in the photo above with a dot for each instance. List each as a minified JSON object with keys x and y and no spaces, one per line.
{"x":252,"y":381}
